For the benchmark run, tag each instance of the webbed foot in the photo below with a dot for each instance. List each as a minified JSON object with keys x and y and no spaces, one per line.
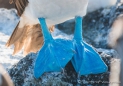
{"x":86,"y":60}
{"x":54,"y":55}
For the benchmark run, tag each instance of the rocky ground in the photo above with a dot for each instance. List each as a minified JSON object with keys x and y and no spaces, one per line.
{"x":96,"y":26}
{"x":22,"y":73}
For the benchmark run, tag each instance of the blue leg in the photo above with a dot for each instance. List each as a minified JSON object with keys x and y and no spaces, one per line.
{"x":54,"y":55}
{"x":86,"y":60}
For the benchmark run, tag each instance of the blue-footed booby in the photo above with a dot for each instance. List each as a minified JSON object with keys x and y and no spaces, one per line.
{"x":27,"y":33}
{"x":33,"y":34}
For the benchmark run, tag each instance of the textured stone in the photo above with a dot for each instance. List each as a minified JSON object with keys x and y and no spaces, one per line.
{"x":22,"y":73}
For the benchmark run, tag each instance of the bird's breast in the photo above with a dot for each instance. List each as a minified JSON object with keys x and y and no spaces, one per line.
{"x":57,"y":11}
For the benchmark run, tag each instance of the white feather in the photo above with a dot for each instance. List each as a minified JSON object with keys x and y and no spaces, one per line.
{"x":56,"y":11}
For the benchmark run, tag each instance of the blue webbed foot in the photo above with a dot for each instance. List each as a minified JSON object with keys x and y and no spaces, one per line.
{"x":54,"y":55}
{"x":86,"y":60}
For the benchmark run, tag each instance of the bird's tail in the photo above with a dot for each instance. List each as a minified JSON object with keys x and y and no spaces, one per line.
{"x":29,"y":37}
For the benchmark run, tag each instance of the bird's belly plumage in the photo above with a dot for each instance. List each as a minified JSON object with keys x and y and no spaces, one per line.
{"x":57,"y":11}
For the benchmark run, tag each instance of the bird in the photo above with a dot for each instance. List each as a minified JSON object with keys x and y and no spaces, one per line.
{"x":28,"y":20}
{"x":33,"y":33}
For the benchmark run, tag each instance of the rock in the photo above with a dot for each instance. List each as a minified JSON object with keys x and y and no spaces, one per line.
{"x":22,"y":73}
